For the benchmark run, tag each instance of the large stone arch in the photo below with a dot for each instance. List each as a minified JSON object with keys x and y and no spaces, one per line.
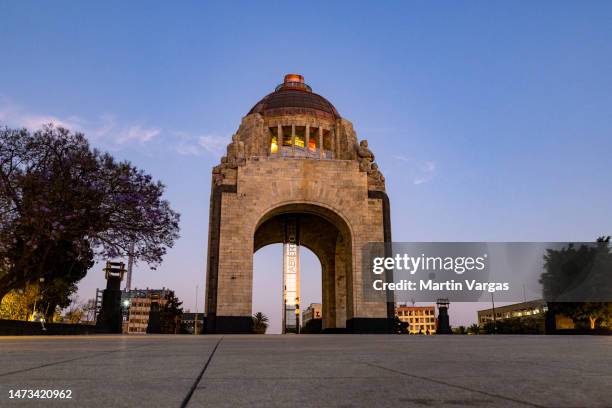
{"x":335,"y":191}
{"x":328,"y":236}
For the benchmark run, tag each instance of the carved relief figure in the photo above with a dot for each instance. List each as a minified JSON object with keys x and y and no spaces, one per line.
{"x":236,"y":153}
{"x":364,"y":155}
{"x":218,"y":171}
{"x":375,"y":175}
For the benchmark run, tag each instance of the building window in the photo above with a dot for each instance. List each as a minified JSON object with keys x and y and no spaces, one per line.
{"x":286,"y":135}
{"x":274,"y":139}
{"x":313,"y":142}
{"x":300,"y":136}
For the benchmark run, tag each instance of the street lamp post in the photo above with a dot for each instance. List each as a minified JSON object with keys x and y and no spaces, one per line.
{"x":36,"y":316}
{"x":195,"y":321}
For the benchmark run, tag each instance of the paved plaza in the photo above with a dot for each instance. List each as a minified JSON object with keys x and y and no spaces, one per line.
{"x":310,"y":370}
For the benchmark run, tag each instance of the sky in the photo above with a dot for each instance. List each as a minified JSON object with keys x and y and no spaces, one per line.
{"x":491,"y":121}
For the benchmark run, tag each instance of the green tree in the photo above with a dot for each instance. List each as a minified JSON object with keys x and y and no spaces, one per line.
{"x":170,"y":315}
{"x":19,"y":304}
{"x":516,"y":325}
{"x":588,"y":268}
{"x":474,"y":329}
{"x":89,"y":311}
{"x":75,"y":311}
{"x":59,"y":282}
{"x":260,"y":323}
{"x":56,"y":317}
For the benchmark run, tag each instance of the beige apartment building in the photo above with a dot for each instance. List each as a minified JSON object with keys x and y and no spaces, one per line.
{"x":138,"y":318}
{"x":312,"y":312}
{"x":138,"y":303}
{"x":420,"y":319}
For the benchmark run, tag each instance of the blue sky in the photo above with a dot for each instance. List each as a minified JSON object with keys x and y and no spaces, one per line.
{"x":490,"y":120}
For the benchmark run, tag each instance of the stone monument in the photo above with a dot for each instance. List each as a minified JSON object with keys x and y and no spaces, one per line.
{"x":294,"y":157}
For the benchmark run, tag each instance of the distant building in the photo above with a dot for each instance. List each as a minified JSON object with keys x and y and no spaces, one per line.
{"x":188,"y":322}
{"x":533,"y":308}
{"x":313,"y":311}
{"x":312,"y":319}
{"x":136,"y":306}
{"x":420,"y":319}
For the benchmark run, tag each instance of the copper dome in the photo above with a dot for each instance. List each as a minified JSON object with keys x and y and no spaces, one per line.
{"x":294,"y":97}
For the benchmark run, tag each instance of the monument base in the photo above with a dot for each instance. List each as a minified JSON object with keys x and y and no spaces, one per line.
{"x":229,"y":325}
{"x":369,"y":325}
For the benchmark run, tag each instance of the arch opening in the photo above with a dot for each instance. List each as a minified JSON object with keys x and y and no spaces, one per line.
{"x":326,"y":234}
{"x":267,"y":284}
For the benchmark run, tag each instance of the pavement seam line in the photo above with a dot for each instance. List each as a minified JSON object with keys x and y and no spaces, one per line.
{"x":461,"y":387}
{"x":23,"y":370}
{"x":199,"y":378}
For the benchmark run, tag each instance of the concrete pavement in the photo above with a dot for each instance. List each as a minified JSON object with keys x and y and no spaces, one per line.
{"x":310,"y":370}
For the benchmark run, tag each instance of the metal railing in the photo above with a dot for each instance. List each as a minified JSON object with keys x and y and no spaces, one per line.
{"x":296,"y":85}
{"x":296,"y":151}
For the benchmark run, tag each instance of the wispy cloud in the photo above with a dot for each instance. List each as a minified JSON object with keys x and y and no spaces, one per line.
{"x":188,"y":149}
{"x":402,"y":158}
{"x":427,"y":171}
{"x":136,"y":133}
{"x":105,"y":129}
{"x":13,"y":115}
{"x":213,"y":144}
{"x":422,"y":171}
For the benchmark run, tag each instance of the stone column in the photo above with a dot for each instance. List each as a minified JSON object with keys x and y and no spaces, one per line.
{"x":332,"y":134}
{"x":320,"y":142}
{"x":279,"y":138}
{"x":293,"y":139}
{"x":307,"y":140}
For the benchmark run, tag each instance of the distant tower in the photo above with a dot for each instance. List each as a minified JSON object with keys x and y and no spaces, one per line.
{"x":443,"y":318}
{"x":291,"y":277}
{"x":110,"y":317}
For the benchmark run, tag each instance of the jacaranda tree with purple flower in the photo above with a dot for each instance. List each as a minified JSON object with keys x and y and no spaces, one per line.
{"x":62,"y":204}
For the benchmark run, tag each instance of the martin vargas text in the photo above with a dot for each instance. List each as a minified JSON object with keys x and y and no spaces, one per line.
{"x":423,"y":285}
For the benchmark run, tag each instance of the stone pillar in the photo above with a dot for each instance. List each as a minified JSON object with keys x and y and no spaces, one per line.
{"x":332,"y":134}
{"x":293,"y":139}
{"x":443,"y":318}
{"x":320,"y":142}
{"x":110,"y":318}
{"x":279,"y":138}
{"x":307,"y":139}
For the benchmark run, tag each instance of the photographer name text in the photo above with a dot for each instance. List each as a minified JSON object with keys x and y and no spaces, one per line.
{"x":449,"y":285}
